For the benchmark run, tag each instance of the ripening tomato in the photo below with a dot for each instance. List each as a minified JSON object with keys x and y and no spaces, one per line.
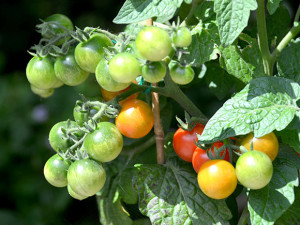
{"x":200,"y":156}
{"x":135,"y":119}
{"x":184,"y":142}
{"x":267,"y":144}
{"x":217,"y":179}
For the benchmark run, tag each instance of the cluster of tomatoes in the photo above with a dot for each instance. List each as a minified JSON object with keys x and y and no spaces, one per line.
{"x":217,"y":177}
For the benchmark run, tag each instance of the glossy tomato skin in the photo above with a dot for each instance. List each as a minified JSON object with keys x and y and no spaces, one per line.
{"x":40,"y":72}
{"x":105,"y":80}
{"x":200,"y":155}
{"x":75,"y":195}
{"x":105,"y":143}
{"x":61,"y":20}
{"x":124,"y":67}
{"x":254,"y":169}
{"x":86,"y":177}
{"x":217,"y":179}
{"x":44,"y":93}
{"x":55,"y":171}
{"x":181,"y":74}
{"x":182,"y":37}
{"x":153,"y":43}
{"x":184,"y":142}
{"x":267,"y":144}
{"x":89,"y":53}
{"x":135,"y":119}
{"x":154,"y":71}
{"x":57,"y":138}
{"x":67,"y":70}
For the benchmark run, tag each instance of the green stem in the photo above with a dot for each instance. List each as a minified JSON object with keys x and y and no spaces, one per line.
{"x":297,"y":14}
{"x":244,"y":217}
{"x":263,"y":38}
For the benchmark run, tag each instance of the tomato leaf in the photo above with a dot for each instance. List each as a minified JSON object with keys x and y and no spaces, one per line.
{"x":232,"y":18}
{"x":272,"y":5}
{"x":169,"y":194}
{"x":266,"y":205}
{"x":288,"y":156}
{"x":292,"y":215}
{"x":288,"y":64}
{"x":138,"y":10}
{"x":291,"y":137}
{"x":264,"y":105}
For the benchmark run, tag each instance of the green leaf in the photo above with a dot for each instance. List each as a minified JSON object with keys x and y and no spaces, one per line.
{"x":205,"y":12}
{"x":232,"y":18}
{"x":292,"y":215}
{"x":291,"y":138}
{"x":169,"y":194}
{"x":138,"y":10}
{"x":264,"y":105}
{"x":266,"y":205}
{"x":288,"y":63}
{"x":288,"y":156}
{"x":218,"y":80}
{"x":272,"y":5}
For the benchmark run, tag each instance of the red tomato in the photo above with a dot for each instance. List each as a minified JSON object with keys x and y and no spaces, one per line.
{"x":184,"y":142}
{"x":200,"y":156}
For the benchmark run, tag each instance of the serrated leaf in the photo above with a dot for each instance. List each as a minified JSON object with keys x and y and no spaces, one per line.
{"x":292,"y":215}
{"x":291,"y":138}
{"x":138,"y":10}
{"x":169,"y":194}
{"x":288,"y":63}
{"x":203,"y":47}
{"x":266,"y":205}
{"x":232,"y":18}
{"x":264,"y":105}
{"x":272,"y":5}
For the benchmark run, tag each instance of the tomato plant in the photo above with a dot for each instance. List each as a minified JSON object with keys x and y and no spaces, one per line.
{"x":200,"y":156}
{"x":135,"y":119}
{"x":184,"y":142}
{"x":181,"y":74}
{"x":254,"y":169}
{"x":217,"y":178}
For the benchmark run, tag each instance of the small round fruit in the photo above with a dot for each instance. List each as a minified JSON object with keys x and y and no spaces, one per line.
{"x":124,"y":67}
{"x":153,"y":43}
{"x":267,"y":144}
{"x":40,"y":72}
{"x":135,"y":119}
{"x":57,"y":138}
{"x":73,"y":194}
{"x":182,"y":37}
{"x":184,"y":142}
{"x":86,"y":177}
{"x":89,"y":53}
{"x":105,"y":80}
{"x":154,"y":71}
{"x":67,"y":70}
{"x":105,"y":143}
{"x":181,"y":74}
{"x":44,"y":93}
{"x":55,"y":171}
{"x":217,"y":179}
{"x":254,"y":169}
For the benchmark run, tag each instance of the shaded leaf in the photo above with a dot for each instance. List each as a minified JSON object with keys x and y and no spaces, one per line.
{"x":272,"y":5}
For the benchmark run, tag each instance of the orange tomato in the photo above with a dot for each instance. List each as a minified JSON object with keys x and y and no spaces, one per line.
{"x":135,"y":119}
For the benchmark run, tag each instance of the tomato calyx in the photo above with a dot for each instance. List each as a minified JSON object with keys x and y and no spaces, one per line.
{"x":190,"y":122}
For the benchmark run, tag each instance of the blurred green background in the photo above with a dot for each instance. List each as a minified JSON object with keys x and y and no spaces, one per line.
{"x":26,"y":119}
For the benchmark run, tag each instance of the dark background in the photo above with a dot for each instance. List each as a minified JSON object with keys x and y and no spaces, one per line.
{"x":25,"y":119}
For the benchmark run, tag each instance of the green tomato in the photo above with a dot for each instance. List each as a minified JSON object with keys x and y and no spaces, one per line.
{"x":105,"y":80}
{"x":61,"y":20}
{"x":86,"y":177}
{"x":44,"y":93}
{"x":89,"y":53}
{"x":58,"y":139}
{"x":58,"y":83}
{"x":154,"y":71}
{"x":55,"y":171}
{"x":40,"y":72}
{"x":73,"y":194}
{"x":153,"y":43}
{"x":254,"y":169}
{"x":67,"y":70}
{"x":182,"y":37}
{"x":181,"y":74}
{"x":105,"y":143}
{"x":124,"y":67}
{"x":83,"y":116}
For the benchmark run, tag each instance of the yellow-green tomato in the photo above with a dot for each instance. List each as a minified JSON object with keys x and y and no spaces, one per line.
{"x":44,"y":93}
{"x":154,"y":72}
{"x":73,"y":194}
